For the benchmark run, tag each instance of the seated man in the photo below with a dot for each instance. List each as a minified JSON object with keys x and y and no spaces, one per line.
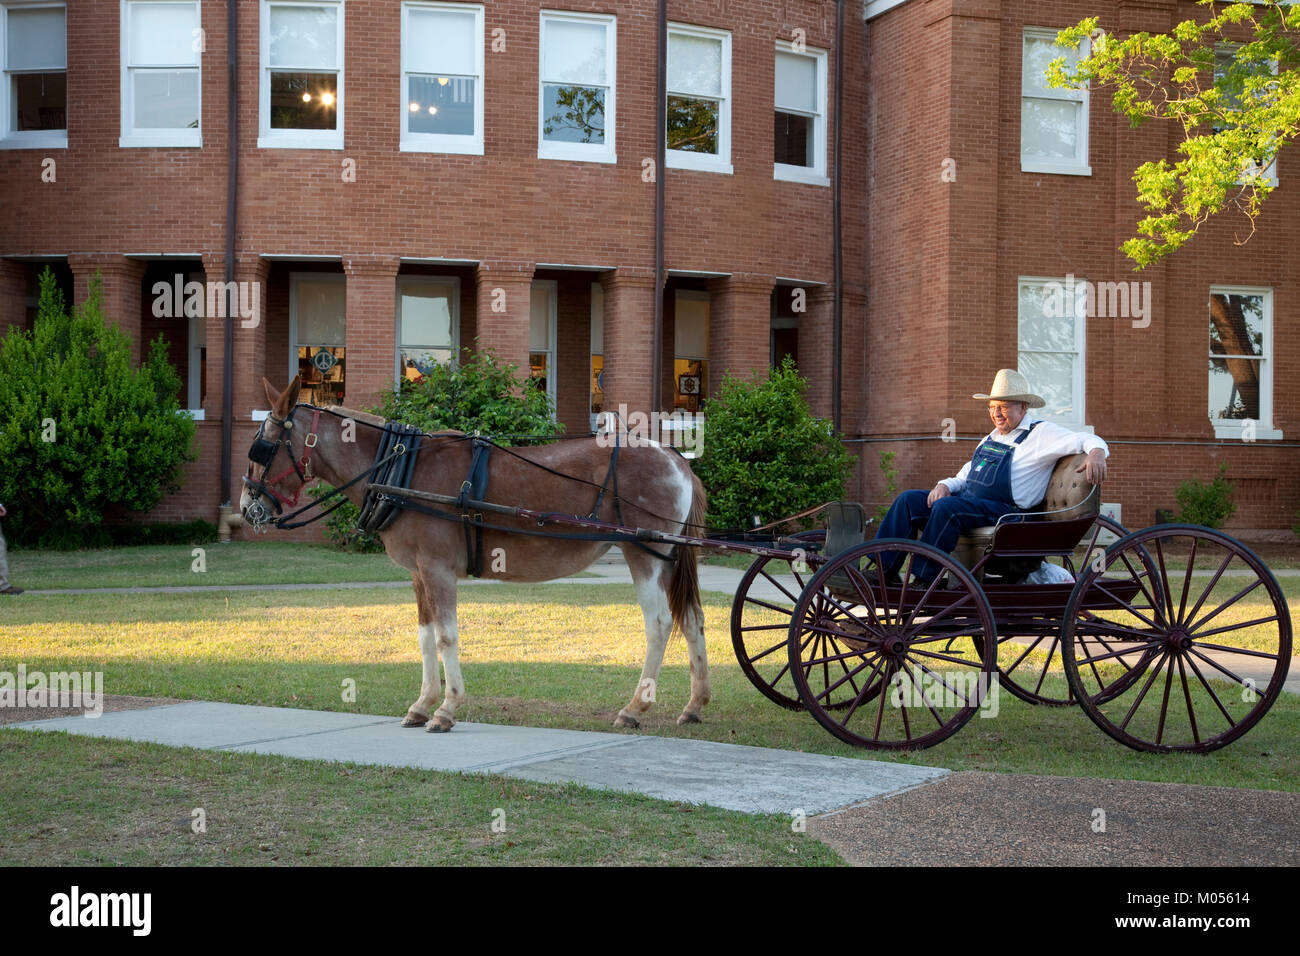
{"x":1008,"y":473}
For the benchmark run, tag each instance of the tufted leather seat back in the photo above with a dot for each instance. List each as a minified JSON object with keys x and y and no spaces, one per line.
{"x":1068,"y":488}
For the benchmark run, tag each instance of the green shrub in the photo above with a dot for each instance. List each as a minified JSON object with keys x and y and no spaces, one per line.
{"x":480,"y":394}
{"x":341,"y":524}
{"x":82,"y":434}
{"x":890,"y":473}
{"x":1208,"y":505}
{"x":764,"y":453}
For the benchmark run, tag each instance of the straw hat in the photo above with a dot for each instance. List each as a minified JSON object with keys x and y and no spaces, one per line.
{"x":1011,"y":386}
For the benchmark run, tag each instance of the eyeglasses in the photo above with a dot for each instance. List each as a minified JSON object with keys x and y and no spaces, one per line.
{"x":999,"y":407}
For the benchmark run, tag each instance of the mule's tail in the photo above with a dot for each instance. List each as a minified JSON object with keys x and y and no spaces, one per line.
{"x":684,"y":585}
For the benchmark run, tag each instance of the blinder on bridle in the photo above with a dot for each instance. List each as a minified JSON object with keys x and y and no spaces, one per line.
{"x":263,"y":452}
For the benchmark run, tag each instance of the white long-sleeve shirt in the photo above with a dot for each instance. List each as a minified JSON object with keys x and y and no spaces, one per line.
{"x":1034,"y":458}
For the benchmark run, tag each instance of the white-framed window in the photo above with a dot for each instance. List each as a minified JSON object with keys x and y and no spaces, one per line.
{"x":161,"y":92}
{"x":428,"y":325}
{"x":576,"y":90}
{"x":1053,"y":122}
{"x":197,"y":378}
{"x":1232,"y":83}
{"x":698,"y":115}
{"x":690,"y":349}
{"x":442,"y":78}
{"x":301,"y":92}
{"x":1241,"y":362}
{"x":597,"y":352}
{"x":1049,"y":343}
{"x":541,"y":335}
{"x":318,"y":328}
{"x":800,"y":123}
{"x":34,"y":94}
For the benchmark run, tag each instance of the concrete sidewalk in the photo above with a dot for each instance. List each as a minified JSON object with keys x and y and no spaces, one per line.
{"x":749,"y":779}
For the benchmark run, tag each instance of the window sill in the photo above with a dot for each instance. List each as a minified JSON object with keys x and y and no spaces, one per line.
{"x":38,"y":141}
{"x":416,"y":145}
{"x":577,"y":156}
{"x":160,"y":141}
{"x":195,"y":413}
{"x":1232,"y":430}
{"x":298,"y":142}
{"x":700,"y":162}
{"x":799,"y":174}
{"x":1054,"y":169}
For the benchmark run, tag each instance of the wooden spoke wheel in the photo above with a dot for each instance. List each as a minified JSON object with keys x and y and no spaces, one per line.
{"x":1186,"y":653}
{"x":760,"y":619}
{"x":890,"y":665}
{"x":1030,"y":663}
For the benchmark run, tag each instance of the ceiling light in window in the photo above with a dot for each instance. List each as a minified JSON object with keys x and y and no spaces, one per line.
{"x":414,"y":107}
{"x":443,"y":81}
{"x":306,"y":97}
{"x":433,"y":111}
{"x":327,"y":99}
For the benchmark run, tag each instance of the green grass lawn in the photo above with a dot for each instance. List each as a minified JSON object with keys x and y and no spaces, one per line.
{"x":541,"y":655}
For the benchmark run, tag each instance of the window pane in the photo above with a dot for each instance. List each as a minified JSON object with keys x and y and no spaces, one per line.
{"x":539,"y":320}
{"x":1049,"y":128}
{"x":574,"y":53}
{"x":304,"y":100}
{"x":417,"y":363}
{"x":321,"y":387}
{"x":694,"y":65}
{"x":322,"y":313}
{"x":1039,"y":52}
{"x":304,"y":37}
{"x":793,"y":139}
{"x":693,"y":125}
{"x":796,"y":82}
{"x":426,"y":319}
{"x":166,"y":99}
{"x":537,"y":369}
{"x":441,"y":41}
{"x":37,"y":40}
{"x":1052,"y":376}
{"x":1236,"y":324}
{"x":441,"y":104}
{"x":690,"y":383}
{"x":691,"y":328}
{"x":40,"y":101}
{"x":597,"y":384}
{"x":1234,"y":388}
{"x":1048,"y":314}
{"x":573,"y":114}
{"x":162,"y":34}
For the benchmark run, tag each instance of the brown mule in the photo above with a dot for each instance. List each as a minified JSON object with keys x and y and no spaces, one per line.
{"x":657,"y":490}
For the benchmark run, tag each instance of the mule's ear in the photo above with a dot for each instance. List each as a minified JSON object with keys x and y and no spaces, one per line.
{"x":290,"y":395}
{"x":272,"y":396}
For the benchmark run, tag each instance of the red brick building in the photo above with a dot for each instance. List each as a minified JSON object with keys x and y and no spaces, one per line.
{"x":418,"y":178}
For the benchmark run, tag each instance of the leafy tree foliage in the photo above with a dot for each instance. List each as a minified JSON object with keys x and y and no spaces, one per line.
{"x":764,"y":453}
{"x":1234,"y":119}
{"x":1207,"y":504}
{"x":82,"y":434}
{"x":480,"y":394}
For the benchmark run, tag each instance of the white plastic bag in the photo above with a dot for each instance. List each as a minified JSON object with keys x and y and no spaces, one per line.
{"x":1049,"y":574}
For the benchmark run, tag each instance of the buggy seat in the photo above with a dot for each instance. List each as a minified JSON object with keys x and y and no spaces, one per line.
{"x":1069,"y":499}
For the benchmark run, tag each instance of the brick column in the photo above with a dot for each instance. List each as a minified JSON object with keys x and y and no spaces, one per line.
{"x":740,"y":327}
{"x":371,"y":329}
{"x":121,"y":283}
{"x":249,"y":363}
{"x":503,"y":296}
{"x":816,"y":332}
{"x":13,"y":295}
{"x":629,"y":331}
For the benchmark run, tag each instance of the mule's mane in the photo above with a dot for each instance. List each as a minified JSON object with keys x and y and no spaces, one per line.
{"x":357,"y":415}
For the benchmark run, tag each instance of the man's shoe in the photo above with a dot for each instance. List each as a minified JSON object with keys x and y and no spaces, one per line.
{"x":12,"y":590}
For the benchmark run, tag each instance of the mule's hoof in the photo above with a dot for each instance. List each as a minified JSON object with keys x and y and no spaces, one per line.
{"x":414,"y":720}
{"x":689,"y":719}
{"x":626,"y":720}
{"x":440,"y":725}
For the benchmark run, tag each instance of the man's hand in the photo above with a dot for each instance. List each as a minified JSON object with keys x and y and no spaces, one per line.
{"x":940,"y":491}
{"x":1095,"y":466}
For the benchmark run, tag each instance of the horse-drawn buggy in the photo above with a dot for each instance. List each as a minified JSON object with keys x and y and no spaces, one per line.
{"x":1175,"y":637}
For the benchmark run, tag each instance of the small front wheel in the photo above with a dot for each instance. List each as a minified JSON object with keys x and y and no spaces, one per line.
{"x":887,"y":664}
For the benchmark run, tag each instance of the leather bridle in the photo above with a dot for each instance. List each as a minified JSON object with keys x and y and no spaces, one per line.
{"x":264,"y":451}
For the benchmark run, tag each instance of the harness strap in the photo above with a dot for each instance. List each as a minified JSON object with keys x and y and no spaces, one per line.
{"x":474,"y":488}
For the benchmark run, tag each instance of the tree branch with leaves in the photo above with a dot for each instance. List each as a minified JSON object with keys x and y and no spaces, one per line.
{"x":1238,"y":104}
